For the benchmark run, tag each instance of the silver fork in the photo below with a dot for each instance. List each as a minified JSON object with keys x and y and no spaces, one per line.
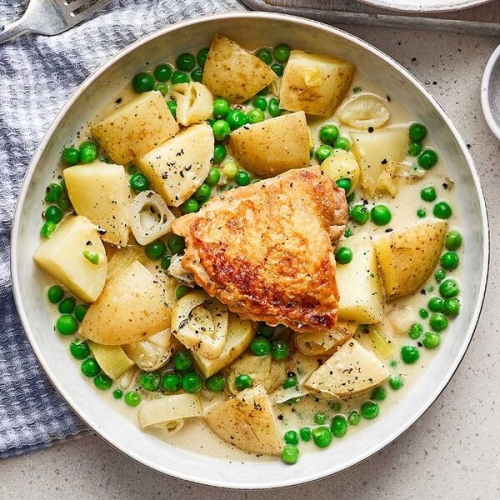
{"x":50,"y":17}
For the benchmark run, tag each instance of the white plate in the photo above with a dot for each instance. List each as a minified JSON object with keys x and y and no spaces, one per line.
{"x":490,"y":93}
{"x":425,"y":5}
{"x":252,"y":30}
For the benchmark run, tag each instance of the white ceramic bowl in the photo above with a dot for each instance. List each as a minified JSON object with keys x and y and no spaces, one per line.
{"x":252,"y":30}
{"x":490,"y":93}
{"x":425,"y":5}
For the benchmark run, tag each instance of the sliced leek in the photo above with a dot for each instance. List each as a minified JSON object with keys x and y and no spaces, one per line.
{"x":401,"y":319}
{"x":342,"y":164}
{"x":152,"y":353}
{"x":320,"y":344}
{"x":176,"y":270}
{"x":364,"y":112}
{"x":169,"y":411}
{"x":150,"y":217}
{"x":112,"y":359}
{"x":200,"y":323}
{"x":194,"y":102}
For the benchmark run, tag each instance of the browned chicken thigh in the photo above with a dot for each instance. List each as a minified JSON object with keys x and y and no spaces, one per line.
{"x":266,"y":249}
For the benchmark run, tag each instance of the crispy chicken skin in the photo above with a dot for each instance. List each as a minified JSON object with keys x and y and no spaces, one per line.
{"x":265,"y":250}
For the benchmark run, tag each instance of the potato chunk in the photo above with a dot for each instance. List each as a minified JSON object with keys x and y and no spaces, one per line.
{"x":408,"y":256}
{"x":359,"y":284}
{"x":315,"y":83}
{"x":232,"y":72}
{"x":247,"y":422}
{"x":179,"y":166}
{"x":352,"y":369}
{"x":130,"y":308}
{"x":273,"y":146}
{"x":62,"y":257}
{"x":136,"y":127}
{"x":100,"y":192}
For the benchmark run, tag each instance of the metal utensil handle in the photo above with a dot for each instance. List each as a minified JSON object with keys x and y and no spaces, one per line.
{"x":13,"y":30}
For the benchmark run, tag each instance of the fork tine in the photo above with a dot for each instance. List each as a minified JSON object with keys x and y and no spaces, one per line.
{"x":84,"y":13}
{"x":78,"y":10}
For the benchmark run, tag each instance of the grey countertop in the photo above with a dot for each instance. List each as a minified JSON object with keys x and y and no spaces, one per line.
{"x":452,"y":452}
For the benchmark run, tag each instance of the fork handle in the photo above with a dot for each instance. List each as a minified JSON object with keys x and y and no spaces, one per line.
{"x":13,"y":30}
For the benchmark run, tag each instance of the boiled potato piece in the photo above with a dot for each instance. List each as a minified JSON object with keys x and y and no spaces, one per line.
{"x":62,"y":256}
{"x":240,"y":333}
{"x":273,"y":146}
{"x":232,"y":72}
{"x":136,"y":127}
{"x":247,"y":422}
{"x":361,"y":297}
{"x":131,"y":308}
{"x":315,"y":83}
{"x":342,"y":164}
{"x":408,"y":256}
{"x":100,"y":192}
{"x":376,"y":150}
{"x":352,"y":369}
{"x":177,"y":168}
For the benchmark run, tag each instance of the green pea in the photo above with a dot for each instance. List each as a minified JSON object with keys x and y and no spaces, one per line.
{"x":380,"y":215}
{"x":323,"y":152}
{"x":281,"y":52}
{"x":428,"y":193}
{"x":162,"y":88}
{"x":221,"y":129}
{"x":354,"y":417}
{"x":278,"y":68}
{"x":265,"y":55}
{"x":290,"y":381}
{"x":305,"y":434}
{"x":351,"y":197}
{"x":89,"y":152}
{"x":216,"y":383}
{"x":265,"y":330}
{"x":71,"y":156}
{"x":190,"y":206}
{"x":192,"y":382}
{"x":202,"y":193}
{"x":396,"y":382}
{"x":179,"y":77}
{"x":55,"y":294}
{"x":132,"y":399}
{"x":342,"y":143}
{"x":64,"y":203}
{"x":427,"y":159}
{"x":67,"y":305}
{"x":143,"y":82}
{"x":439,"y":275}
{"x":230,"y":169}
{"x":421,"y":213}
{"x":165,"y":262}
{"x":415,"y":331}
{"x":348,"y":232}
{"x":336,"y":406}
{"x":290,"y":454}
{"x":338,"y":427}
{"x":243,"y":178}
{"x":213,"y":176}
{"x":260,"y":103}
{"x":243,"y":381}
{"x":102,"y":382}
{"x":90,"y":367}
{"x":81,"y":311}
{"x":328,"y":134}
{"x":344,"y":184}
{"x":176,"y":244}
{"x":185,"y":62}
{"x":273,"y":107}
{"x":220,"y":153}
{"x":155,"y":250}
{"x":320,"y":418}
{"x":436,"y":304}
{"x":423,"y":313}
{"x":196,"y":75}
{"x":221,"y":108}
{"x":442,"y":210}
{"x":359,"y":214}
{"x":449,"y":289}
{"x":172,"y":106}
{"x":438,"y":322}
{"x":53,"y":192}
{"x":344,"y":255}
{"x":236,"y":119}
{"x":171,"y":382}
{"x":163,"y":72}
{"x":260,"y":346}
{"x":417,"y":132}
{"x":79,"y":350}
{"x":322,"y":437}
{"x":410,"y":354}
{"x":452,"y":307}
{"x":180,"y":291}
{"x":449,"y":261}
{"x":280,"y":349}
{"x":67,"y":324}
{"x":414,"y":148}
{"x":117,"y":394}
{"x":379,"y":394}
{"x":138,"y":182}
{"x":182,"y":360}
{"x":453,"y":240}
{"x":201,"y":57}
{"x":150,"y":381}
{"x":92,"y":257}
{"x":369,"y":410}
{"x":53,"y":214}
{"x":256,"y":115}
{"x":291,"y":437}
{"x":431,"y":340}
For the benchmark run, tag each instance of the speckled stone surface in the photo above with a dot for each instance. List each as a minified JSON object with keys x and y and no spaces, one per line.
{"x":451,"y":453}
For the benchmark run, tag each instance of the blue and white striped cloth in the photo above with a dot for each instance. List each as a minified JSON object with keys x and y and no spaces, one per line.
{"x":37,"y":75}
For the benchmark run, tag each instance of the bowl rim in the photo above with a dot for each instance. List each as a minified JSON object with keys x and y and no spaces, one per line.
{"x":486,"y":89}
{"x":53,"y":127}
